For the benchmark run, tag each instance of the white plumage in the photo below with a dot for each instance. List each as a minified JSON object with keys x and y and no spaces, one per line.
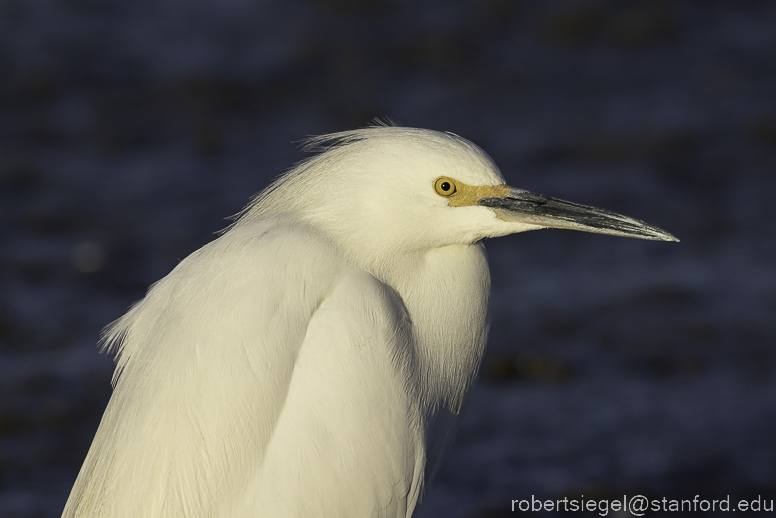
{"x":313,"y":360}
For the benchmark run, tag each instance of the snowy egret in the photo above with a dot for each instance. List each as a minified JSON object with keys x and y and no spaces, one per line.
{"x":313,"y":360}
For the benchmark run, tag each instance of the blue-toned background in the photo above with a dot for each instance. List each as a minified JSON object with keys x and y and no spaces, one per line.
{"x":129,"y":130}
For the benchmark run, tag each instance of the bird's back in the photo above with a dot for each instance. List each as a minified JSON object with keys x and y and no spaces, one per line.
{"x":265,"y":376}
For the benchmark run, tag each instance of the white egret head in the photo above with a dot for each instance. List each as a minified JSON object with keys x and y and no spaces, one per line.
{"x":384,"y":191}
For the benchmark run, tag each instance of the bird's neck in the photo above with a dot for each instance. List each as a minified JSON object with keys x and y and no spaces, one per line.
{"x":445,"y":291}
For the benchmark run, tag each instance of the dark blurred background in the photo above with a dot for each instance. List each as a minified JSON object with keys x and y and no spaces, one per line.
{"x":129,"y":130}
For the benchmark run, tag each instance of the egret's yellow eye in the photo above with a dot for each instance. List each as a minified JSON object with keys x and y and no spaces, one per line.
{"x":444,"y":186}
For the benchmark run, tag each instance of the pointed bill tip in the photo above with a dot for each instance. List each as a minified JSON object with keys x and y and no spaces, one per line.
{"x":665,"y":236}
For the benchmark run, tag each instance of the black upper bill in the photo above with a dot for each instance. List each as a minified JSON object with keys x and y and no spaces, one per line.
{"x":537,"y":209}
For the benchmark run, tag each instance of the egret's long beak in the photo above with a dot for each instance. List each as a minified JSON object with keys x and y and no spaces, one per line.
{"x":536,"y":209}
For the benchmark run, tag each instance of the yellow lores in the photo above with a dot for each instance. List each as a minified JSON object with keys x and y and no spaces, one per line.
{"x":461,"y":194}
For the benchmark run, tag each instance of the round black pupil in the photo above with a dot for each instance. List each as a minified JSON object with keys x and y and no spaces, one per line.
{"x":445,"y":186}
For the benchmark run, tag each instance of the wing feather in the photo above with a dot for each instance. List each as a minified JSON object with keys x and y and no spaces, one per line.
{"x":264,"y":376}
{"x":204,"y":363}
{"x":348,"y":442}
